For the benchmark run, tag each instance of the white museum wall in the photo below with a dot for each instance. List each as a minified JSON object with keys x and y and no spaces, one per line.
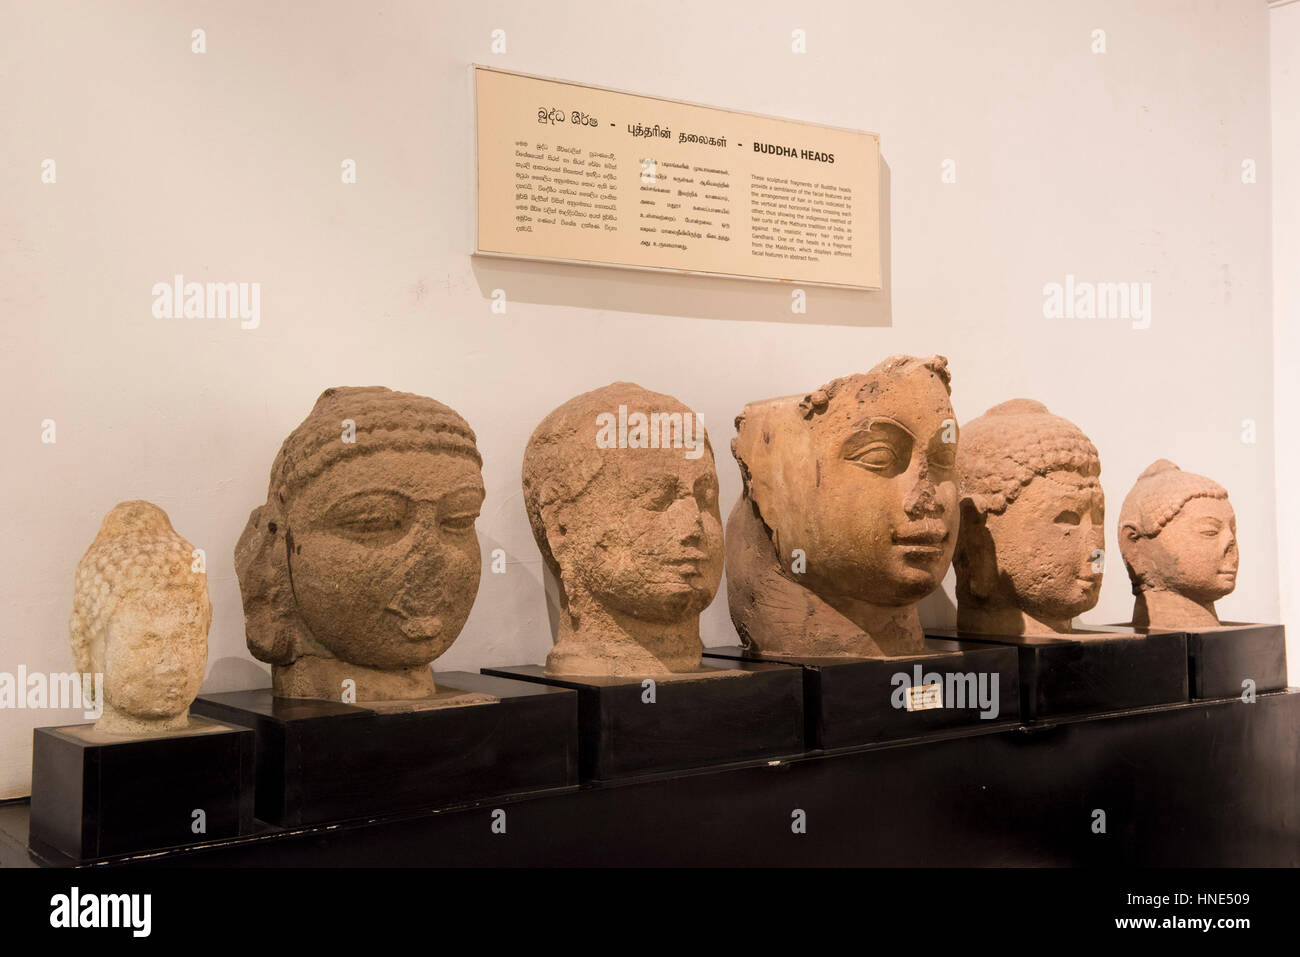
{"x":1122,"y":166}
{"x":1284,"y":89}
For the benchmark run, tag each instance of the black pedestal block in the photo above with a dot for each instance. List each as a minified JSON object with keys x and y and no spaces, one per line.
{"x":1098,"y":670}
{"x":321,"y":761}
{"x":1199,"y":784}
{"x":852,"y":701}
{"x":1220,"y":660}
{"x":97,"y":795}
{"x":743,"y":712}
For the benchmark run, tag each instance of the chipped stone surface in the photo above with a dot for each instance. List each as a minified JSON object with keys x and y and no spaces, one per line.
{"x":1178,"y":536}
{"x":632,"y":534}
{"x":362,"y":566}
{"x":140,"y":617}
{"x":1032,"y":511}
{"x":849,"y":513}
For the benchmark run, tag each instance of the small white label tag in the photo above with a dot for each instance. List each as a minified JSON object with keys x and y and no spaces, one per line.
{"x":924,"y":697}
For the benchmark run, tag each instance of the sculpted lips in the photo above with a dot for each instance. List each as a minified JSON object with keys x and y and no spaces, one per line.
{"x":689,"y":563}
{"x":921,"y":538}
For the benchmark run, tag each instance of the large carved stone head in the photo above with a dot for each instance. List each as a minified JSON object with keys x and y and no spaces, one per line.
{"x":1178,"y":536}
{"x":849,"y":512}
{"x":363,"y":564}
{"x":140,"y":618}
{"x":622,"y":496}
{"x":1030,"y":557}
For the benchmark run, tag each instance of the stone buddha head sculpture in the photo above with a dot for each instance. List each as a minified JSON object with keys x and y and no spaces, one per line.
{"x":140,"y":618}
{"x":363,"y":564}
{"x":849,"y":512}
{"x":1178,"y":536}
{"x":622,"y":496}
{"x":1030,"y":555}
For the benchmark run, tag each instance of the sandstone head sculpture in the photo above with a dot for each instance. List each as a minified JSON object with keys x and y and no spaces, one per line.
{"x":1178,"y":536}
{"x":140,"y":618}
{"x":622,"y":496}
{"x":1029,"y":558}
{"x":849,"y":512}
{"x":363,"y":564}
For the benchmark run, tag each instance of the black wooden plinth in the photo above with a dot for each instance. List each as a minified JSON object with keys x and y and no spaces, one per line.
{"x":323,"y":761}
{"x":1099,"y":670}
{"x":1220,"y":660}
{"x":97,"y":795}
{"x":1198,"y":784}
{"x":752,"y":711}
{"x":852,"y":701}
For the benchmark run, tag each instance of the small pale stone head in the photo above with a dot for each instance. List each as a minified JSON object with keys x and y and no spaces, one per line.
{"x":364,"y":561}
{"x":140,"y":618}
{"x":860,"y":477}
{"x":1178,"y":536}
{"x":1030,"y":553}
{"x":622,"y":495}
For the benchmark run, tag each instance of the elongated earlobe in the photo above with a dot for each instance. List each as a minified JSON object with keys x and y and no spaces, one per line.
{"x":271,"y":622}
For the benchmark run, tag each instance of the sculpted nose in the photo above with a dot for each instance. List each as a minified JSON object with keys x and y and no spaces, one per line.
{"x":426,"y":544}
{"x":687,"y":518}
{"x":920,"y":498}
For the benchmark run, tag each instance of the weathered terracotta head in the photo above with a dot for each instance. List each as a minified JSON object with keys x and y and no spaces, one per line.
{"x":1178,"y":536}
{"x":850,"y":497}
{"x":140,"y":618}
{"x":622,"y":496}
{"x":1030,"y":555}
{"x":363,"y":564}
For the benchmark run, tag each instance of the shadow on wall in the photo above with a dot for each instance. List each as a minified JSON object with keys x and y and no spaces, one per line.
{"x":667,"y":293}
{"x":236,"y":674}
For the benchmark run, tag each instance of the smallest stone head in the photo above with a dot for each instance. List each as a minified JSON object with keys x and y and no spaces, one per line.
{"x":622,"y":495}
{"x":1030,"y":553}
{"x":1178,"y":536}
{"x":140,"y":617}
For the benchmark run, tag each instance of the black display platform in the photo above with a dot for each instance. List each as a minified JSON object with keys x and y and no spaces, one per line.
{"x":1220,"y":660}
{"x":1099,"y":669}
{"x":851,"y":701}
{"x":744,"y":711}
{"x":323,"y":761}
{"x":96,"y":794}
{"x":1201,"y":784}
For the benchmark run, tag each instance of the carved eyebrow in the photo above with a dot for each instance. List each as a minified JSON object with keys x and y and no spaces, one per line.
{"x":867,"y":424}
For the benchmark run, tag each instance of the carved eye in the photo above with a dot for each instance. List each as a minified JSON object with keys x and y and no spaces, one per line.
{"x":660,"y":496}
{"x":1068,"y":518}
{"x":460,"y":523}
{"x":945,"y":458}
{"x":706,"y":491}
{"x":879,"y":455}
{"x":369,"y":515}
{"x":369,"y":523}
{"x":459,"y":511}
{"x":883,"y":447}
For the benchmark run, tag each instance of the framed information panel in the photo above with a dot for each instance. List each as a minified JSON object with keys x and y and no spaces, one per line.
{"x":585,"y":174}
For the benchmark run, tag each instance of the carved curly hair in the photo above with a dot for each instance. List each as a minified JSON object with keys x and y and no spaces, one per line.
{"x":1010,"y":445}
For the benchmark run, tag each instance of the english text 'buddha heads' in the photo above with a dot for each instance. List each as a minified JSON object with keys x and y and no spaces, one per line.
{"x":622,"y":496}
{"x":1030,"y":555}
{"x":1178,"y":536}
{"x":849,"y":512}
{"x":363,"y":564}
{"x":140,"y":618}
